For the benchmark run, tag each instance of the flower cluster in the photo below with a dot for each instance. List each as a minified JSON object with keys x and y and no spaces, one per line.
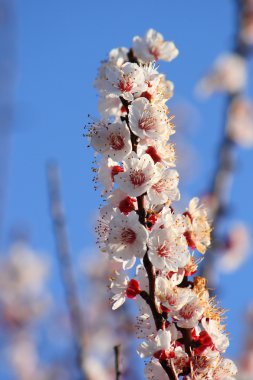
{"x":139,"y":226}
{"x":229,"y":74}
{"x":23,"y":295}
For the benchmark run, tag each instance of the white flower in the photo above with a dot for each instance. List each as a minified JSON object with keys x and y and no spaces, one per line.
{"x":226,"y":370}
{"x":127,"y":81}
{"x":206,"y":361}
{"x":151,"y":76}
{"x":190,"y":314}
{"x":198,"y":230}
{"x":118,"y":286}
{"x":176,"y":278}
{"x":164,"y":90}
{"x":229,"y":74}
{"x":180,"y":360}
{"x":172,"y":297}
{"x":112,"y":140}
{"x":154,"y":371}
{"x":148,"y":120}
{"x":118,"y":56}
{"x":159,"y":151}
{"x":213,"y":329}
{"x":127,"y":238}
{"x":165,"y":189}
{"x":236,"y":249}
{"x":153,"y":47}
{"x":27,"y":269}
{"x":23,"y":275}
{"x":123,"y":288}
{"x":176,"y":222}
{"x":139,"y":174}
{"x":102,"y":225}
{"x":107,"y":171}
{"x":168,"y":250}
{"x":240,"y":122}
{"x":122,"y":201}
{"x":145,"y":322}
{"x":162,"y":342}
{"x":110,"y":105}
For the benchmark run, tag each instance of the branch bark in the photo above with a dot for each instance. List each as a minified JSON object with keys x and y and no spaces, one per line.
{"x":117,"y":362}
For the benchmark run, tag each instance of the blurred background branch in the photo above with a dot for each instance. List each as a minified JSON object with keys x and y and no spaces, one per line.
{"x":227,"y":164}
{"x":65,"y":263}
{"x":7,"y":94}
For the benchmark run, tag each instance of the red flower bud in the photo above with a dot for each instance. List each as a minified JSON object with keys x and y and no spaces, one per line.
{"x":133,"y":289}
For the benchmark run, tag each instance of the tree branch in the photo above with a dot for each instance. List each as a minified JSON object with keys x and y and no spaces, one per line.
{"x":117,"y":361}
{"x":221,"y":183}
{"x":65,"y":263}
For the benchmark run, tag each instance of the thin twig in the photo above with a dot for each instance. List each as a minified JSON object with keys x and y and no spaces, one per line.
{"x":65,"y":263}
{"x":117,"y":362}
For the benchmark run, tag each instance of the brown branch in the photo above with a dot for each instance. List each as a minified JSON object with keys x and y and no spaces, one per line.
{"x":169,"y":369}
{"x":117,"y":361}
{"x":65,"y":263}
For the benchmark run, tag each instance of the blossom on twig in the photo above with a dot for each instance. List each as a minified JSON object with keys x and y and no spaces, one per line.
{"x":180,"y":323}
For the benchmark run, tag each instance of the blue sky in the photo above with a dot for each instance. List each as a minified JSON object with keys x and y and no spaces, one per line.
{"x":59,"y":46}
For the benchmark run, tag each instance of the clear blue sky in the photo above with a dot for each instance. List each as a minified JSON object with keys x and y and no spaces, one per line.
{"x":60,"y":44}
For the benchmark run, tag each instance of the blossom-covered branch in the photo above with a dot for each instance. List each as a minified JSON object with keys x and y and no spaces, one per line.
{"x":140,"y":226}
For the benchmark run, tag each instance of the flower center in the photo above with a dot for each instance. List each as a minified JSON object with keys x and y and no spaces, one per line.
{"x":125,"y":85}
{"x":171,"y":299}
{"x":137,"y":177}
{"x":159,"y":187}
{"x":155,"y":52}
{"x":163,"y":250}
{"x":187,"y":312}
{"x":116,"y":142}
{"x":128,"y":236}
{"x":147,"y":123}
